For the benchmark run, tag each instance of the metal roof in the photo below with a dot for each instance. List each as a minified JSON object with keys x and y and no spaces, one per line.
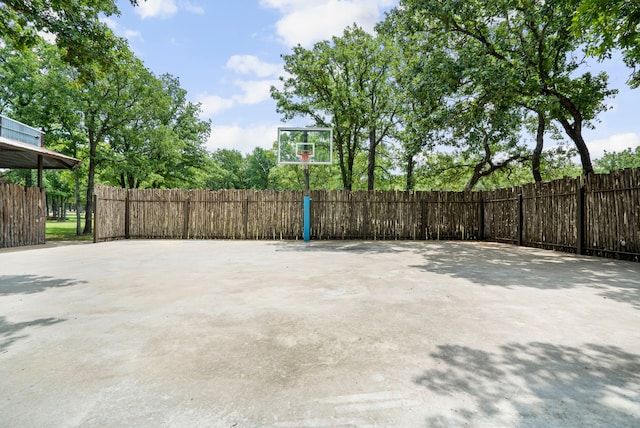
{"x":15,"y":154}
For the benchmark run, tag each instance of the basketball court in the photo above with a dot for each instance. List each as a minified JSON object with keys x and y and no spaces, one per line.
{"x":319,"y":334}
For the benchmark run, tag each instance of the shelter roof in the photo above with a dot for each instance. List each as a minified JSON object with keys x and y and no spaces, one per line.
{"x":15,"y":154}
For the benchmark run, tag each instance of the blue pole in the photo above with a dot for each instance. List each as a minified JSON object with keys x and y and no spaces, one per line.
{"x":307,"y":219}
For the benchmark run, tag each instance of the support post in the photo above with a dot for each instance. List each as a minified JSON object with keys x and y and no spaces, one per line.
{"x":187,"y":207}
{"x":245,"y":218}
{"x":307,"y":219}
{"x":423,"y":220}
{"x":127,"y":216}
{"x":580,"y":220}
{"x":365,"y":217}
{"x":520,"y":219}
{"x":481,"y":220}
{"x":95,"y":219}
{"x":40,"y":168}
{"x":306,"y":177}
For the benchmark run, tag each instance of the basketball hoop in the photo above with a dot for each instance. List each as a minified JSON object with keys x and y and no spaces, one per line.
{"x":305,"y":155}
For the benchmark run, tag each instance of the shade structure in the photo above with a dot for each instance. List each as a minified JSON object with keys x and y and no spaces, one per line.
{"x":16,"y":154}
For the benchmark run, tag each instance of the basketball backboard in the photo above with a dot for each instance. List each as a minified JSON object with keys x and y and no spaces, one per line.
{"x":305,"y":146}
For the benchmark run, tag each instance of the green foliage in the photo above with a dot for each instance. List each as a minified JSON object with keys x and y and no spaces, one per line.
{"x":519,"y":54}
{"x":611,"y":25}
{"x":130,"y":128}
{"x":226,"y":170}
{"x":258,"y":166}
{"x":453,"y":171}
{"x":613,"y":161}
{"x":162,"y":145}
{"x":76,"y":24}
{"x":471,"y":78}
{"x":344,"y":84}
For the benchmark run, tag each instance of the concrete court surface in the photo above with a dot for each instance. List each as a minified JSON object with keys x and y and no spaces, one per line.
{"x":288,"y":334}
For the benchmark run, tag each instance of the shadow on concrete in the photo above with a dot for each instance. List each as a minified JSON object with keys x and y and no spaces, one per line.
{"x":508,"y":266}
{"x":491,"y":264}
{"x":29,"y":284}
{"x":356,"y":247}
{"x":542,"y":384}
{"x":9,"y":332}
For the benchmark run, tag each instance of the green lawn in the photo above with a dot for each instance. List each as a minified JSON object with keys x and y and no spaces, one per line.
{"x":64,"y":230}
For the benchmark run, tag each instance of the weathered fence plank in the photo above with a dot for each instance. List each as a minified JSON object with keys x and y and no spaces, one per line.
{"x":598,"y":215}
{"x":22,"y":215}
{"x":612,"y":211}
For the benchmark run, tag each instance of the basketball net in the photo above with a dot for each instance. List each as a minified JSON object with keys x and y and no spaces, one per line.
{"x":304,"y":157}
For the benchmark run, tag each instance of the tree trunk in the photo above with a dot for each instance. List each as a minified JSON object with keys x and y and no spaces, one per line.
{"x":88,"y":221}
{"x":537,"y":152}
{"x":576,"y":135}
{"x":410,"y":166}
{"x":477,"y":175}
{"x":371,"y":167}
{"x":77,"y":194}
{"x":341,"y":160}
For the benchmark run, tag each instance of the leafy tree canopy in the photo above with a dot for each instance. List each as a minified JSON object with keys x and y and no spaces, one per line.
{"x":74,"y":23}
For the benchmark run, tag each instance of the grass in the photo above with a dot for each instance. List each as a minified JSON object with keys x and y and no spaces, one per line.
{"x":64,"y":230}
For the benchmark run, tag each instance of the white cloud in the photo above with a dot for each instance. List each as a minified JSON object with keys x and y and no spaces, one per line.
{"x":190,"y":7}
{"x":166,"y":8}
{"x":213,"y":104}
{"x":110,"y":22}
{"x":613,"y":143}
{"x":121,"y":31}
{"x":133,"y":34}
{"x":254,"y":91}
{"x":156,"y":8}
{"x":250,"y":92}
{"x":305,"y":22}
{"x":251,"y":64}
{"x":244,"y":139}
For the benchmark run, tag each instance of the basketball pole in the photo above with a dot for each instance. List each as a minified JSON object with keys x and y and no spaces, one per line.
{"x":306,"y":205}
{"x":294,"y":147}
{"x":306,"y":234}
{"x":306,"y":221}
{"x":305,"y":168}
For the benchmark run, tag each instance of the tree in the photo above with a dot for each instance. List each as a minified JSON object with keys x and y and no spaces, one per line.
{"x":375,"y":88}
{"x":37,"y":89}
{"x":531,"y":49}
{"x":226,"y":170}
{"x":611,"y":25}
{"x":342,"y":84}
{"x":107,"y":101}
{"x":74,"y":23}
{"x":613,"y":161}
{"x":258,"y":166}
{"x":163,"y":143}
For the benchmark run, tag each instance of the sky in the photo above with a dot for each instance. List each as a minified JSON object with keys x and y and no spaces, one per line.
{"x":227,"y":55}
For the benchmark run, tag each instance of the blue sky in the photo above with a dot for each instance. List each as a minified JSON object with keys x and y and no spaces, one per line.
{"x":227,"y":56}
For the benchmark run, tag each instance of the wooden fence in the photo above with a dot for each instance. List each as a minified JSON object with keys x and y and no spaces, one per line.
{"x":22,"y":215}
{"x":249,"y":214}
{"x":597,"y":215}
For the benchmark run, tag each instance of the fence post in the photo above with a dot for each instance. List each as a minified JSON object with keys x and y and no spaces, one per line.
{"x":95,"y":219}
{"x":481,"y":220}
{"x":365,"y":216}
{"x":245,"y":218}
{"x":520,"y":219}
{"x":127,"y":216}
{"x":423,"y":220}
{"x":185,"y":231}
{"x":580,"y":220}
